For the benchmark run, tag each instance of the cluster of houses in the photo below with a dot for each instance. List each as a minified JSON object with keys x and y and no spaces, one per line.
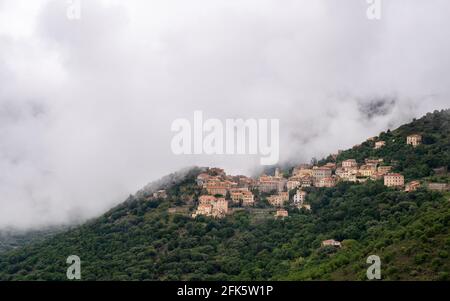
{"x":220,"y":190}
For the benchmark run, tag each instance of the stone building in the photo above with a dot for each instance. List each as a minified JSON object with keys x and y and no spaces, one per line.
{"x":326,"y":182}
{"x":367,"y":170}
{"x":349,"y":163}
{"x":268,"y":184}
{"x":242,"y":195}
{"x":292,"y":184}
{"x":276,"y":200}
{"x":281,"y":213}
{"x":319,"y":173}
{"x":394,"y":180}
{"x":211,"y":206}
{"x":299,"y":200}
{"x":414,"y":140}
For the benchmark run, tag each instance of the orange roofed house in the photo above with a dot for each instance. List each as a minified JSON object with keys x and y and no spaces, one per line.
{"x":242,"y":195}
{"x":412,"y":186}
{"x":219,"y":187}
{"x":331,"y":242}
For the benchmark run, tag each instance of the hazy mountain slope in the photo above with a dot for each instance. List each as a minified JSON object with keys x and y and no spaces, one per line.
{"x":13,"y":239}
{"x":141,"y":240}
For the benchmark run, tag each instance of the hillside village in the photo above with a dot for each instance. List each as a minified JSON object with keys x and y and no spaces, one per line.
{"x":287,"y":188}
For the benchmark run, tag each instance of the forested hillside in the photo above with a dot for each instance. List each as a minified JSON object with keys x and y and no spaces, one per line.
{"x":158,"y":239}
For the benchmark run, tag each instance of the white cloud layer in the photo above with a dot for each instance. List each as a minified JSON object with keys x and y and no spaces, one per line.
{"x":86,"y":105}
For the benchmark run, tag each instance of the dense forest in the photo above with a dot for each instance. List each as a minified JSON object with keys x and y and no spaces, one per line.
{"x":143,"y":239}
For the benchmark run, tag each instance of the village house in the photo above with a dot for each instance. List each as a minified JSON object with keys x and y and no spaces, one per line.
{"x":331,"y":242}
{"x":347,"y":174}
{"x":384,"y":169}
{"x":326,"y":182}
{"x":367,"y":170}
{"x":206,"y":199}
{"x":284,"y":195}
{"x":319,"y":173}
{"x":211,"y":206}
{"x":350,"y":163}
{"x":306,"y":181}
{"x":216,"y":187}
{"x":299,"y":197}
{"x":220,"y":208}
{"x":236,"y":194}
{"x":394,"y":180}
{"x":203,"y":209}
{"x":248,"y":199}
{"x":268,"y":184}
{"x":414,"y":140}
{"x":379,"y":144}
{"x":219,"y":187}
{"x":281,"y":213}
{"x":292,"y":184}
{"x":247,"y":182}
{"x":276,"y":200}
{"x":412,"y":186}
{"x":242,"y":195}
{"x":299,"y":200}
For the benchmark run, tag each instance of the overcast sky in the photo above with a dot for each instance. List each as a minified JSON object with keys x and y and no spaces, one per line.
{"x":86,"y":105}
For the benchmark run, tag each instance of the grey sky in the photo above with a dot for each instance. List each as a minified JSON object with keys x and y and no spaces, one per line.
{"x":86,"y":105}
